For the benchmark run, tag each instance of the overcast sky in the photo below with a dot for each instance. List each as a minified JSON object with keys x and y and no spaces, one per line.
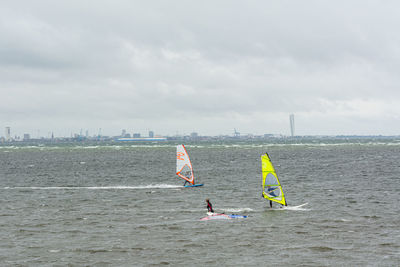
{"x":200,"y":66}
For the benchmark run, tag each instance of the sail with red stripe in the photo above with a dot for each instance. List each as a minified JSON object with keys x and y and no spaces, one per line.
{"x":184,"y":167}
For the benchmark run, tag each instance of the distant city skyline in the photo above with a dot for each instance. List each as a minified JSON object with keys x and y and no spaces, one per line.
{"x":122,"y":132}
{"x":10,"y":136}
{"x":207,"y":67}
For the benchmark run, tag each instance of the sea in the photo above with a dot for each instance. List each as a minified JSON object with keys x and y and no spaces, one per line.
{"x":121,"y":204}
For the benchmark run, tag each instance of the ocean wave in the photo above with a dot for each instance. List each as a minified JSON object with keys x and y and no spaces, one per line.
{"x":210,"y":145}
{"x":118,"y":187}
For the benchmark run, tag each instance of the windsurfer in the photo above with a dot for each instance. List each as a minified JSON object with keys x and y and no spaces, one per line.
{"x":272,"y":189}
{"x":209,"y":206}
{"x":272,"y":193}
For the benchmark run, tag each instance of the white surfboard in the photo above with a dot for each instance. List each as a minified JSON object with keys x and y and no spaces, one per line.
{"x":298,"y":207}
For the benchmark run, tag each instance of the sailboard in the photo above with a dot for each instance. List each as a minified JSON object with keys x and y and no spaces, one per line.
{"x":184,"y":167}
{"x":222,"y":216}
{"x":272,"y":189}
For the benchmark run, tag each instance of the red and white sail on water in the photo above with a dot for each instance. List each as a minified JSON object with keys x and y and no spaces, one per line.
{"x":184,"y":167}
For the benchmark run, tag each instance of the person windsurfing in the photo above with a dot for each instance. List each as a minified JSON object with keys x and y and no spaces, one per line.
{"x":209,"y":206}
{"x":272,"y":193}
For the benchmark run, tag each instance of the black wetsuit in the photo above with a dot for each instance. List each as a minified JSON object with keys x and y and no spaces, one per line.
{"x":209,"y":207}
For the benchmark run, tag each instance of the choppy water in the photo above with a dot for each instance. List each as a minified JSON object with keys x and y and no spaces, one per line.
{"x":124,"y":206}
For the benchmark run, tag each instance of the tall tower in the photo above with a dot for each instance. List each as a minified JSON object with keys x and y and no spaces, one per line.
{"x":236,"y":133}
{"x":291,"y":118}
{"x":8,"y":134}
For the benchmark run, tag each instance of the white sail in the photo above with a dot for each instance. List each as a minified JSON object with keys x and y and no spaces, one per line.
{"x":184,"y":167}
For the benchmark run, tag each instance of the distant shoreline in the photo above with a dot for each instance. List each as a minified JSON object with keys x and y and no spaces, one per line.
{"x":308,"y":140}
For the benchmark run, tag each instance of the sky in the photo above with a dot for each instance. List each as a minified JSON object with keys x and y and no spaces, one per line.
{"x":177,"y":67}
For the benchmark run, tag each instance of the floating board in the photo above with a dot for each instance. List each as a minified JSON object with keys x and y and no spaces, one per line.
{"x":194,"y":185}
{"x":299,"y":207}
{"x":184,"y":168}
{"x":221,"y":216}
{"x":235,"y":216}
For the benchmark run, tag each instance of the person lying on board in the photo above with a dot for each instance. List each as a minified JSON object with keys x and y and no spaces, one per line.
{"x":209,"y":206}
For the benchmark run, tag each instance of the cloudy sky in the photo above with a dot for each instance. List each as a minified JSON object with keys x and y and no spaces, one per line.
{"x":175,"y":67}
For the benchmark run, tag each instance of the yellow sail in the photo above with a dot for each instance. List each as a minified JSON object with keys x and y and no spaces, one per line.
{"x":272,"y":189}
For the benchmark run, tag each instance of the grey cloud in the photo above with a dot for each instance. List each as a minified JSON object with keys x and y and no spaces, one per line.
{"x":212,"y":65}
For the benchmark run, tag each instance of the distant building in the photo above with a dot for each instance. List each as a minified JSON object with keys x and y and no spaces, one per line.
{"x":291,"y":118}
{"x":151,"y":134}
{"x":194,"y":135}
{"x":8,"y":134}
{"x":124,"y":134}
{"x":236,"y":133}
{"x":142,"y":139}
{"x":27,"y":137}
{"x":136,"y":135}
